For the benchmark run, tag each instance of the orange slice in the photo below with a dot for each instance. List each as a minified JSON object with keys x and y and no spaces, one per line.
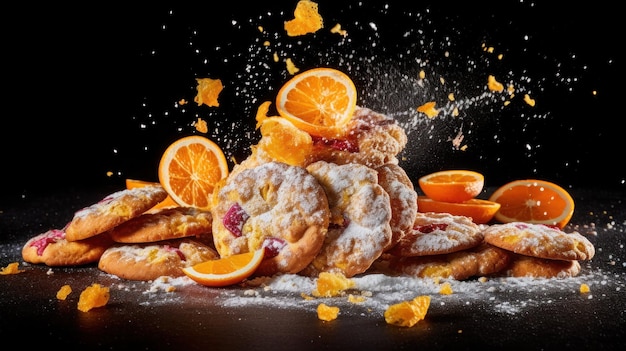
{"x":480,"y":211}
{"x":452,"y":185}
{"x":135,"y":183}
{"x":227,"y":270}
{"x":189,"y":170}
{"x":284,"y":142}
{"x":320,"y":101}
{"x":533,"y":201}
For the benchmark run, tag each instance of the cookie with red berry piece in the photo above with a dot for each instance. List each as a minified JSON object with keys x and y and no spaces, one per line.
{"x":113,"y":210}
{"x":438,"y":233}
{"x":273,"y":205}
{"x":148,"y":261}
{"x":53,"y":249}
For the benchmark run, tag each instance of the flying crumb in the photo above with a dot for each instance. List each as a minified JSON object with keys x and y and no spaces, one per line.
{"x":208,"y":91}
{"x":428,"y":109}
{"x":291,"y":67}
{"x":337,"y":29}
{"x":528,"y":100}
{"x":306,"y":19}
{"x":494,"y":85}
{"x":201,"y":125}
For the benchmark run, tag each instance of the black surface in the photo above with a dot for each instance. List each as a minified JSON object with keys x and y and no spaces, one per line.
{"x":91,"y":90}
{"x":502,"y":313}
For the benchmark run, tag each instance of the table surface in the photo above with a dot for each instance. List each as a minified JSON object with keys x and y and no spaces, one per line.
{"x":271,"y":313}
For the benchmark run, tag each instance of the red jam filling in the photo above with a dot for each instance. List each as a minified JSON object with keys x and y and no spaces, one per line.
{"x":50,"y":237}
{"x":177,"y":251}
{"x":337,"y":144}
{"x":273,"y":246}
{"x":429,"y":228}
{"x":234,"y":219}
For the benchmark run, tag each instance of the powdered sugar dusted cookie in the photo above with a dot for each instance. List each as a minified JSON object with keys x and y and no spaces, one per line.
{"x":482,"y":260}
{"x":403,"y":200}
{"x":359,"y":227}
{"x":539,"y":240}
{"x":272,"y":205}
{"x":152,"y":260}
{"x":372,"y":139}
{"x":52,"y":249}
{"x":114,"y":209}
{"x":164,"y":224}
{"x":438,"y":233}
{"x":527,"y":266}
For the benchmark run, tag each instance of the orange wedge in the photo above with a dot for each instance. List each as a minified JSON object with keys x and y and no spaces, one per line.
{"x":135,"y":183}
{"x":480,"y":211}
{"x":452,"y":185}
{"x":533,"y":201}
{"x":189,"y":170}
{"x":320,"y":101}
{"x":227,"y":270}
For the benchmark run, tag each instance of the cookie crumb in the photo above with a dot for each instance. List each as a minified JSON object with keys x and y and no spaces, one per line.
{"x":93,"y":296}
{"x":327,"y":313}
{"x":64,"y":292}
{"x":11,"y":268}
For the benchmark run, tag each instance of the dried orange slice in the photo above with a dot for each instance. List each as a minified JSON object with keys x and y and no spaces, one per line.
{"x":189,"y":170}
{"x":480,"y":211}
{"x":136,"y":183}
{"x":226,"y":270}
{"x":320,"y":101}
{"x":452,"y":185}
{"x":533,"y":201}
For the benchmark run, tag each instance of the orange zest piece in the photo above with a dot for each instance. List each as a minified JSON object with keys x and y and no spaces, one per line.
{"x":226,"y":270}
{"x":320,"y":101}
{"x":189,"y":170}
{"x":306,"y":19}
{"x":480,"y":211}
{"x":533,"y":201}
{"x":136,"y":183}
{"x":452,"y":185}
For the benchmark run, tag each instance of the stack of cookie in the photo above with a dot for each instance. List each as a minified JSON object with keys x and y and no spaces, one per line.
{"x":346,"y":208}
{"x":446,"y":246}
{"x":127,"y":240}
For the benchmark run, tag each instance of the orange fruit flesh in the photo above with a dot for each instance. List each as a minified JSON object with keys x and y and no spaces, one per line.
{"x":189,"y":169}
{"x":320,"y":101}
{"x":534,"y":201}
{"x":481,"y":211}
{"x":284,"y":142}
{"x":226,"y":270}
{"x":452,"y":185}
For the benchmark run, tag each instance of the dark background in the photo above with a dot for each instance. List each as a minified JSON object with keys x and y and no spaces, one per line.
{"x":91,"y":89}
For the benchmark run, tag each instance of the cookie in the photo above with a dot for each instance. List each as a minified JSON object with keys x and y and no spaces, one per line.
{"x":527,"y":266}
{"x":359,"y":227}
{"x":149,"y":261}
{"x":539,"y":240}
{"x":53,"y":249}
{"x":164,"y":224}
{"x":485,"y":259}
{"x":438,"y":233}
{"x":403,"y":200}
{"x":372,"y":139}
{"x":274,"y":205}
{"x":114,"y":209}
